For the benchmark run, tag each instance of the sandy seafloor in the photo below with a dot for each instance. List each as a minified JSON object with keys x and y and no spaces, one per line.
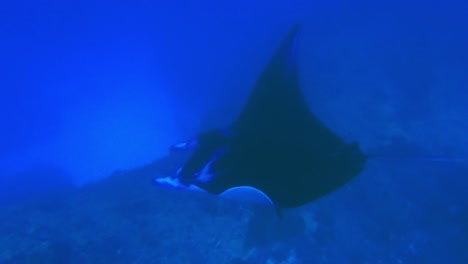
{"x":386,"y":215}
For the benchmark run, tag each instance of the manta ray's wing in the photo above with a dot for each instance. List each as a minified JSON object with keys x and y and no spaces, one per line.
{"x":277,"y":108}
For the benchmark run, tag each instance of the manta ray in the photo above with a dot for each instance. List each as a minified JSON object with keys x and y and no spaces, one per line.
{"x":276,"y":147}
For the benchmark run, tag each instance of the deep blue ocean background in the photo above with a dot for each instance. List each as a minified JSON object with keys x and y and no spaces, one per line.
{"x":91,"y":88}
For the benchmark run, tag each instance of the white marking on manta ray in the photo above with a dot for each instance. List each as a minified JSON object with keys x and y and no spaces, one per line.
{"x":205,"y":175}
{"x":180,"y":145}
{"x":187,"y":145}
{"x":176,"y":184}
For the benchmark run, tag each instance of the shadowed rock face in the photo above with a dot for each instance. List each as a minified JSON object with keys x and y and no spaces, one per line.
{"x":33,"y":182}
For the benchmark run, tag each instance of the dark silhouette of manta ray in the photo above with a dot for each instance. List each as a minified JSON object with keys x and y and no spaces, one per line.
{"x":276,"y":145}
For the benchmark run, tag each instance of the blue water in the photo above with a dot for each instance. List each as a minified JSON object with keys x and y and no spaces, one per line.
{"x":88,"y":88}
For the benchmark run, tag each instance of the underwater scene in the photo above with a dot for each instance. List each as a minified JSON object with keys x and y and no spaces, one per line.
{"x":237,"y":132}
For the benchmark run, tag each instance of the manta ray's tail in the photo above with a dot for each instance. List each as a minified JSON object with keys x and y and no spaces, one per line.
{"x":442,"y":159}
{"x":407,"y":151}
